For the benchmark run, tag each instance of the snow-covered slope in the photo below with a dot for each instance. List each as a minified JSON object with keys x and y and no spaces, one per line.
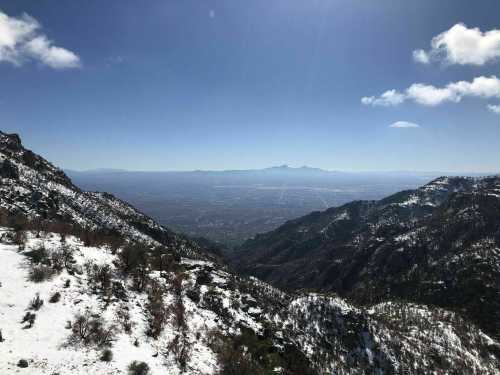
{"x":439,"y":245}
{"x":331,"y":335}
{"x":35,"y":188}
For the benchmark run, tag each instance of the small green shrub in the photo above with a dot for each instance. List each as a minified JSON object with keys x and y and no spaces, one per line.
{"x":22,"y":363}
{"x":40,"y":273}
{"x":55,"y":297}
{"x":138,"y":368}
{"x":107,"y":355}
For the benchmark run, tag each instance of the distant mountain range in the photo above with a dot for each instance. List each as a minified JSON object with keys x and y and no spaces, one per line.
{"x":285,"y":169}
{"x":232,"y":206}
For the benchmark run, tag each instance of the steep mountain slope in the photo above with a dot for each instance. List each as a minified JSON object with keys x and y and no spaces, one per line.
{"x":439,"y":244}
{"x":33,"y":187}
{"x":74,"y":300}
{"x":194,"y":318}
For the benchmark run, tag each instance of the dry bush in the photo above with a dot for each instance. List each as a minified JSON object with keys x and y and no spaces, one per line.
{"x":66,"y":253}
{"x":98,"y":276}
{"x":140,"y":278}
{"x":29,"y":318}
{"x":204,"y":277}
{"x":157,"y":309}
{"x":180,"y":348}
{"x":123,"y":317}
{"x":55,"y":297}
{"x":92,"y":330}
{"x":4,"y":217}
{"x":138,"y":368}
{"x":18,"y":222}
{"x":36,"y":303}
{"x":106,"y":355}
{"x":20,"y":239}
{"x":163,"y":260}
{"x":132,"y":257}
{"x":22,"y":363}
{"x":40,"y":273}
{"x":39,"y":255}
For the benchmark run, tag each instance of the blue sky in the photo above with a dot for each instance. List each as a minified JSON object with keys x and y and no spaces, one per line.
{"x":191,"y":84}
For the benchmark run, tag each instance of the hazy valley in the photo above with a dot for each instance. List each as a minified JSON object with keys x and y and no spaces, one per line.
{"x":230,"y":207}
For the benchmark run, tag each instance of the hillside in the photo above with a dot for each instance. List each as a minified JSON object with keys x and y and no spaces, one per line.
{"x":88,"y":284}
{"x":439,"y":244}
{"x":34,"y":188}
{"x":195,"y":318}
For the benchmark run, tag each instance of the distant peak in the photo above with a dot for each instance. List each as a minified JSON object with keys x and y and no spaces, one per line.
{"x":287,"y":168}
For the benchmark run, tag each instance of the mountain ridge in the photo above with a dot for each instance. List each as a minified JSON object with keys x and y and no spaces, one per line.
{"x":371,"y":250}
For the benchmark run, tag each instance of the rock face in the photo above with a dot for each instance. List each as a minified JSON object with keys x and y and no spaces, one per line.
{"x":439,"y":244}
{"x":158,"y":301}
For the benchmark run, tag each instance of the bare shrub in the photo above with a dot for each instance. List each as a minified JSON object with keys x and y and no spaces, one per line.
{"x":179,"y":314}
{"x":66,"y":252}
{"x":29,"y":318}
{"x":138,"y":368}
{"x":99,"y":276}
{"x":204,"y":277}
{"x":20,"y":239}
{"x":4,"y":217}
{"x":39,"y":255}
{"x":180,"y":348}
{"x":56,"y":261}
{"x":40,"y":273}
{"x":36,"y":303}
{"x":22,"y":363}
{"x":194,"y":294}
{"x":231,"y":358}
{"x":133,"y":256}
{"x":163,"y":260}
{"x":92,"y":330}
{"x":140,"y":278}
{"x":106,"y":355}
{"x":123,"y":317}
{"x":157,"y":309}
{"x":18,"y":222}
{"x":54,"y":298}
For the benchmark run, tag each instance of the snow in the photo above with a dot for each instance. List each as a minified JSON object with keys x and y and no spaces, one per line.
{"x":46,"y":345}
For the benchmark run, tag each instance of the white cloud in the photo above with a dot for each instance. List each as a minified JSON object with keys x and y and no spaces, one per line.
{"x":463,"y":46}
{"x":404,"y":124}
{"x":21,"y":40}
{"x":431,"y":96}
{"x":421,"y":56}
{"x":494,"y":108}
{"x":428,"y":95}
{"x":388,"y":98}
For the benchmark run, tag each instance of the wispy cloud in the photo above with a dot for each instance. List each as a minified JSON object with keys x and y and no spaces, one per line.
{"x":494,"y":108}
{"x":462,"y":46}
{"x":21,"y":40}
{"x":421,"y":56}
{"x":115,"y":60}
{"x":404,"y":125}
{"x":387,"y":99}
{"x":429,"y":95}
